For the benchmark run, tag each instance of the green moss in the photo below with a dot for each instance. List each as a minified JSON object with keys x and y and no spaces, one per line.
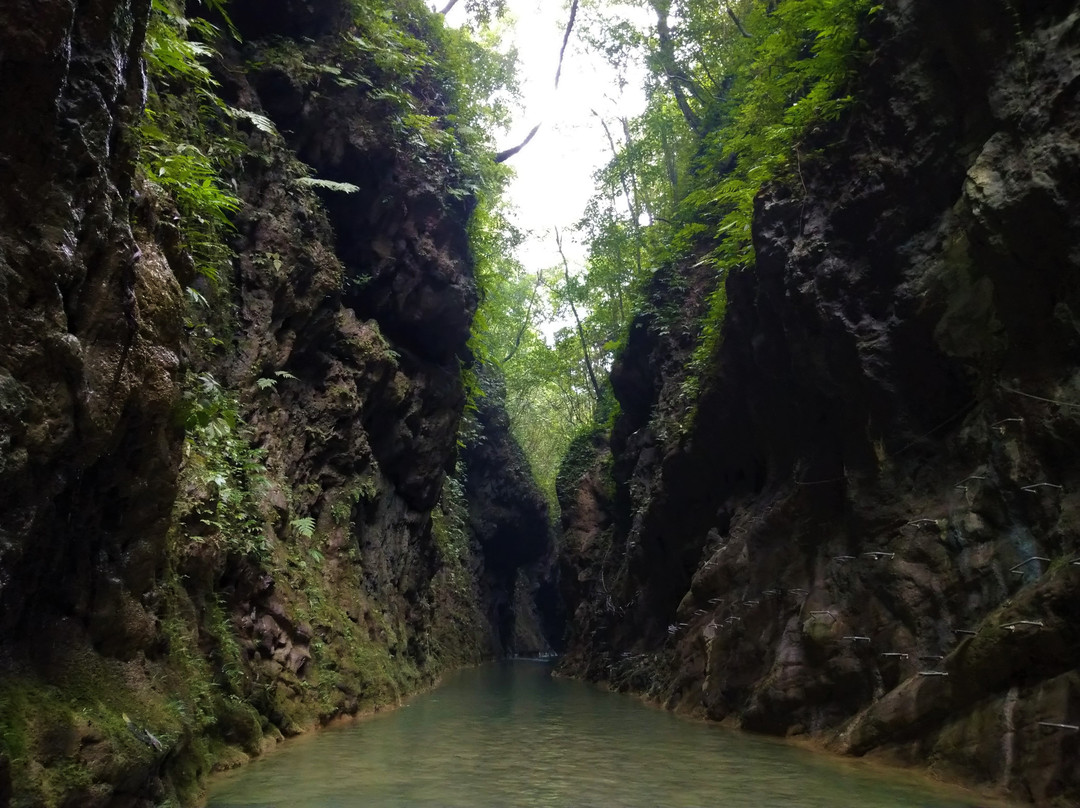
{"x":449,"y":521}
{"x":226,"y":650}
{"x":580,"y":455}
{"x":376,"y":674}
{"x":238,"y":723}
{"x":457,"y":632}
{"x":13,"y":709}
{"x":75,"y":729}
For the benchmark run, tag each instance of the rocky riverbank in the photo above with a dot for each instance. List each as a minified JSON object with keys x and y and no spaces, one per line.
{"x":232,"y":502}
{"x":864,"y":528}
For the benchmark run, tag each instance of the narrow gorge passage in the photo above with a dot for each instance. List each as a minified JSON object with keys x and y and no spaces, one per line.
{"x":341,"y":352}
{"x":510,"y":734}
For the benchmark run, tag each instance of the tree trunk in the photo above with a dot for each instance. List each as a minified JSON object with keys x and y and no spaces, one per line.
{"x":525,"y":322}
{"x":676,"y":78}
{"x":580,"y":330}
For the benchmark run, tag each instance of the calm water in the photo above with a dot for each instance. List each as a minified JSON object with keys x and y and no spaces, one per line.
{"x":510,"y":735}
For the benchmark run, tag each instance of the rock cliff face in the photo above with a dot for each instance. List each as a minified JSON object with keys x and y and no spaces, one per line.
{"x":91,"y":346}
{"x":176,"y":599}
{"x":866,"y":526}
{"x":508,"y":516}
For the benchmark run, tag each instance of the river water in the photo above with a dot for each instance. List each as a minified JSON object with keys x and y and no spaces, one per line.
{"x":509,"y":734}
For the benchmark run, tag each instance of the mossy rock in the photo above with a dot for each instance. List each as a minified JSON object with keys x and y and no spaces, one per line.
{"x":580,"y":455}
{"x":227,"y":756}
{"x":239,"y":724}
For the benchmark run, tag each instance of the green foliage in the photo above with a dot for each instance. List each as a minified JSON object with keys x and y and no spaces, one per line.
{"x":731,"y":107}
{"x":402,"y":55}
{"x":548,"y":394}
{"x":449,"y":525}
{"x":170,"y":54}
{"x":224,"y":474}
{"x":304,"y":526}
{"x":341,"y":512}
{"x":229,"y":658}
{"x":748,"y":99}
{"x":328,"y":185}
{"x":185,"y":143}
{"x":782,"y":82}
{"x":492,"y":238}
{"x":268,"y":382}
{"x":580,"y":455}
{"x":260,"y":122}
{"x":548,"y":400}
{"x":473,"y":393}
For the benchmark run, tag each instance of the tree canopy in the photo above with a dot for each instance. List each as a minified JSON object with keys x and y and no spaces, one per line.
{"x":735,"y":91}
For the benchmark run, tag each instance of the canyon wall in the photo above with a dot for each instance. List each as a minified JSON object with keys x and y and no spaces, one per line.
{"x":232,"y":510}
{"x":865,"y":528}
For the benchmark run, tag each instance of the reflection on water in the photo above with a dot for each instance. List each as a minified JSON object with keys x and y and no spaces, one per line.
{"x":510,"y":735}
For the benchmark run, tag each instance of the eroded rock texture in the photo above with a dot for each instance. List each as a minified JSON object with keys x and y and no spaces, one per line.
{"x":161,"y":615}
{"x":508,"y":517}
{"x":90,"y":328}
{"x":867,"y":528}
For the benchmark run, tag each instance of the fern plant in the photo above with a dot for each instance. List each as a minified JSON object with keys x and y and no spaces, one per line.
{"x":328,"y":185}
{"x":789,"y":76}
{"x":184,"y":145}
{"x":270,"y":382}
{"x":223,"y":471}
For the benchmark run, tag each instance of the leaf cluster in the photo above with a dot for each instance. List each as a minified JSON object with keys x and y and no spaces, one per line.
{"x":224,"y":473}
{"x":186,"y":142}
{"x":444,"y":91}
{"x":780,"y":85}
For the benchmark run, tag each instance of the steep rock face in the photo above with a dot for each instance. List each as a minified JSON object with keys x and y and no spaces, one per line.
{"x":171,"y":603}
{"x":363,"y":436}
{"x":90,"y":327}
{"x":845,"y":537}
{"x":90,"y":324}
{"x":508,"y":517}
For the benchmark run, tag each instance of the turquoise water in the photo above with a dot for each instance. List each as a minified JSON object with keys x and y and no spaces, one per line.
{"x":509,"y":734}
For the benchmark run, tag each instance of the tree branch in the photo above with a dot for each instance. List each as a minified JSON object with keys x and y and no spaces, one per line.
{"x":573,"y":308}
{"x":637,"y":200}
{"x":669,"y":65}
{"x":506,"y":154}
{"x":734,"y":19}
{"x":526,"y":321}
{"x":445,"y":9}
{"x":566,"y":40}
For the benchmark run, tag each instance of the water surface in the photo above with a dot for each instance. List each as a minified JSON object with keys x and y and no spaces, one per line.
{"x":510,"y":735}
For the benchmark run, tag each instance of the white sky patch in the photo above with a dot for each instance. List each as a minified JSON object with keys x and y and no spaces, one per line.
{"x":554,"y":172}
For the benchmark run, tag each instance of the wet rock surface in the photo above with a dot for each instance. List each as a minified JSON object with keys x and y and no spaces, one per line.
{"x":143,"y":642}
{"x":90,"y":324}
{"x":508,"y":518}
{"x":867,"y":529}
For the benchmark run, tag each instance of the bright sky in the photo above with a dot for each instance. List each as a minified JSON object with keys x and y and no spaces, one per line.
{"x":554,"y":171}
